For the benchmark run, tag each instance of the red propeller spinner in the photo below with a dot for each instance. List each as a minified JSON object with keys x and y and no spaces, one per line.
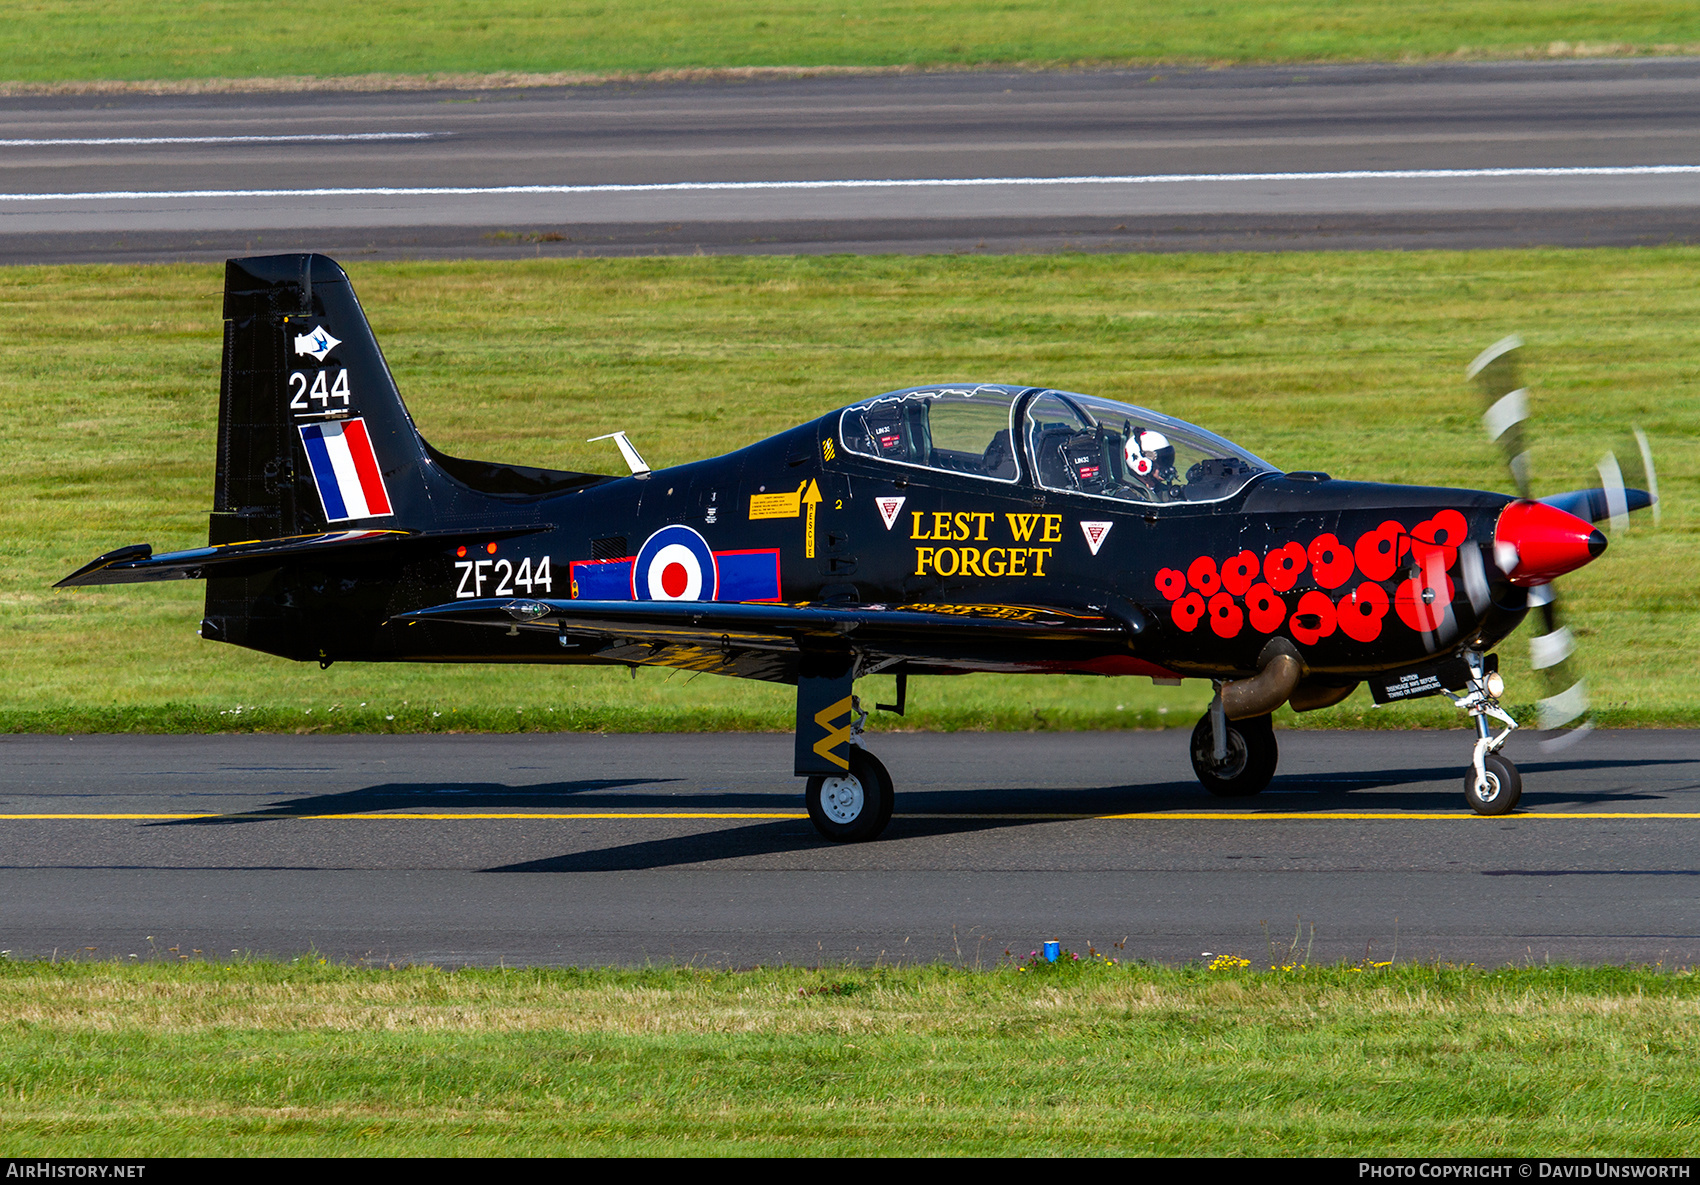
{"x":1533,"y":543}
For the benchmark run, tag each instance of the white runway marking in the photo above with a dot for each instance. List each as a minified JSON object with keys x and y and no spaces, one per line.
{"x":301,"y":138}
{"x":864,"y":183}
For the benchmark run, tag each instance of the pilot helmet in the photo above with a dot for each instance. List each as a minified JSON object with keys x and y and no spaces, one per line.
{"x":1150,"y":455}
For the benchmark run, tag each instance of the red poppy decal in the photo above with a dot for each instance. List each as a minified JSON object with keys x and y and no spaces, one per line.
{"x":1187,"y":611}
{"x":1282,"y":567}
{"x":1441,"y":534}
{"x":1361,"y":611}
{"x":1422,"y":601}
{"x":1201,"y":574}
{"x":1266,"y":610}
{"x":1225,"y":615}
{"x":1330,"y":561}
{"x":1313,"y":618}
{"x":1233,"y":596}
{"x":1239,"y":573}
{"x":1379,"y":551}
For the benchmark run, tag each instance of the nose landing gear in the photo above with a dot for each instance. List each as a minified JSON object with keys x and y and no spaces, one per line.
{"x":1492,"y":785}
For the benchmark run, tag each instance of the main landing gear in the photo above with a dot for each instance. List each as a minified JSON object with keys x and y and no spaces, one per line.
{"x":849,"y":793}
{"x":1492,"y":785}
{"x":1234,"y":758}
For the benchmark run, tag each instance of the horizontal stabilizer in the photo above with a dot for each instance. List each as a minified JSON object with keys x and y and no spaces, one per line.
{"x":1594,"y":506}
{"x":908,"y":629}
{"x":137,"y":563}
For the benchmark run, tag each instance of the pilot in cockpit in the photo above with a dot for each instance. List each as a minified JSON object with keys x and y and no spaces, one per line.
{"x":1150,"y":459}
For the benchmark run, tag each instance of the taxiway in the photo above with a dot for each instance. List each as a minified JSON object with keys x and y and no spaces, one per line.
{"x":584,"y":849}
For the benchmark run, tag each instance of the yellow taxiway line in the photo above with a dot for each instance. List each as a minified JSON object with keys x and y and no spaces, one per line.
{"x":1139,"y":816}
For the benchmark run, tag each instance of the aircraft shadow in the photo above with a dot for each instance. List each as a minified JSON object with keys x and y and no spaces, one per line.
{"x":1425,"y":788}
{"x":484,"y":796}
{"x":1329,"y":791}
{"x":759,"y":839}
{"x":965,"y":810}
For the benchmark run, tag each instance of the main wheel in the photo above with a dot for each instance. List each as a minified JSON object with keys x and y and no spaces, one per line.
{"x":853,"y":806}
{"x":1499,"y":790}
{"x":1250,"y":761}
{"x":890,"y":797}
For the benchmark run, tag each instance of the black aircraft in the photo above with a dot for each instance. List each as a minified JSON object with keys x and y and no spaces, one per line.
{"x":938,"y":530}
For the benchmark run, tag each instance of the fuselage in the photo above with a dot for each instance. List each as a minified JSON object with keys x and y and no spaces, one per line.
{"x":1360,"y":577}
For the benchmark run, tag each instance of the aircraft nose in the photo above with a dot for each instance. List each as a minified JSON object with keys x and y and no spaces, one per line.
{"x":1535,"y":543}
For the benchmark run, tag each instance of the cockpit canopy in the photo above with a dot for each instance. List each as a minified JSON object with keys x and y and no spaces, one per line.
{"x":1070,"y":443}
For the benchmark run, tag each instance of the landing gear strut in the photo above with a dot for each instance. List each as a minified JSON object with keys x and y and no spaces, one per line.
{"x":1492,"y":785}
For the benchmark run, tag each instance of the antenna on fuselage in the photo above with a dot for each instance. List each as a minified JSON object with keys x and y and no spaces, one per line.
{"x":638,"y":467}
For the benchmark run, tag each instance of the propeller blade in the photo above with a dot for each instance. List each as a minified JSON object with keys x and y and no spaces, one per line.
{"x":1594,"y":505}
{"x":1507,"y":400}
{"x":1628,"y":482}
{"x":1563,"y":712}
{"x":1537,"y":541}
{"x":1648,"y":475}
{"x":1474,"y":571}
{"x":1617,"y":494}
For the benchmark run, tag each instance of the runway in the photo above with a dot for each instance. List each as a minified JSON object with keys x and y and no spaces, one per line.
{"x":1460,"y":155}
{"x":585,"y":849}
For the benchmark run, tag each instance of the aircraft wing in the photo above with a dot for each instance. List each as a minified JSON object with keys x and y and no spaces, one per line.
{"x":946,"y":634}
{"x":137,"y":563}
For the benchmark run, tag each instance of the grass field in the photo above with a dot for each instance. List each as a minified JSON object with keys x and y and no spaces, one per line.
{"x":71,"y":41}
{"x":1348,"y":362}
{"x":198,"y":1059}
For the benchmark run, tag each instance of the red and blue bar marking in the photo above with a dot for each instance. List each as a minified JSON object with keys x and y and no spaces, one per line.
{"x":744,"y":576}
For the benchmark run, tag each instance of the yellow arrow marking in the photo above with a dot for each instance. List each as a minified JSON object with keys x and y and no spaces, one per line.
{"x":811,"y":499}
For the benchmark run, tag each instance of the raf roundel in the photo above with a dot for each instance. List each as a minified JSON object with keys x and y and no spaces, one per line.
{"x":675,"y":564}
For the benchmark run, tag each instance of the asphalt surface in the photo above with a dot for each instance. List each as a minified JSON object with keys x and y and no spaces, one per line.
{"x":1456,"y":155}
{"x":694,"y":849}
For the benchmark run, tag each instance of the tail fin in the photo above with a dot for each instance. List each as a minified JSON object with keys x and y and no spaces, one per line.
{"x":315,"y":444}
{"x":312,"y":433}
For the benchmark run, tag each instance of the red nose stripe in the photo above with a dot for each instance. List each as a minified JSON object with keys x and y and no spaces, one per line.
{"x":1548,"y":541}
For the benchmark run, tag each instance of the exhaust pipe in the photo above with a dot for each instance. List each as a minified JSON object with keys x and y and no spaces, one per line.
{"x":1269,"y":688}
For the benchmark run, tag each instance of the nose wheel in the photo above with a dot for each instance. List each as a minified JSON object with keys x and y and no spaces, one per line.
{"x":1496,"y":789}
